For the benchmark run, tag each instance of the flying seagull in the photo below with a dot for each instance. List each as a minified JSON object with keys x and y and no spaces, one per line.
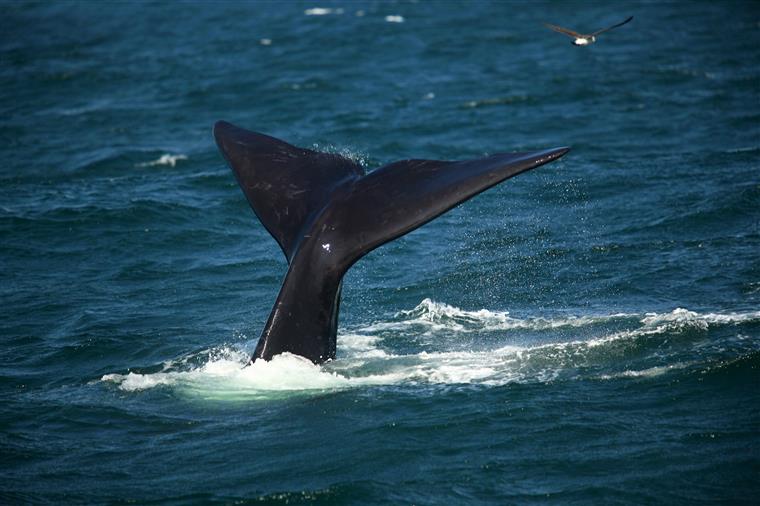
{"x":581,"y":39}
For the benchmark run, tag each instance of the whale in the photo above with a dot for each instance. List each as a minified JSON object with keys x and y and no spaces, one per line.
{"x":326,"y":212}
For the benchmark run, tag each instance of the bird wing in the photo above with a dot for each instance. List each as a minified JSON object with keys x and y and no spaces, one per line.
{"x":611,"y":27}
{"x":565,"y":31}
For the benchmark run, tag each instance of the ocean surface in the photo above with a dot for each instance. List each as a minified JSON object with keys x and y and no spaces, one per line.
{"x":588,"y":332}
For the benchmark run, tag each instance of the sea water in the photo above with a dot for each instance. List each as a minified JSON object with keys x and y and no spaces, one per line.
{"x":585,"y":333}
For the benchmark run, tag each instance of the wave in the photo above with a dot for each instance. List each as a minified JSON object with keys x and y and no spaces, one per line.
{"x":437,"y":315}
{"x":684,"y":317}
{"x":639,"y":352}
{"x":743,"y":150}
{"x":649,"y":372}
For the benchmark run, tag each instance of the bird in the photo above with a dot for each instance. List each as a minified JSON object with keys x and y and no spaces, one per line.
{"x":583,"y":39}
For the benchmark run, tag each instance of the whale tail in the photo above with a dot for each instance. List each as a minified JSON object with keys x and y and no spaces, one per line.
{"x":326,"y":213}
{"x":286,"y":186}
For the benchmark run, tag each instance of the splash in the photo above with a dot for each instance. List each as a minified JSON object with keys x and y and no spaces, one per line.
{"x":228,"y":375}
{"x":353,"y":155}
{"x":433,"y":316}
{"x":366,"y":358}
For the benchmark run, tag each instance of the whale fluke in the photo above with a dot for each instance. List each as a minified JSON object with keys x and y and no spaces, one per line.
{"x":326,"y":213}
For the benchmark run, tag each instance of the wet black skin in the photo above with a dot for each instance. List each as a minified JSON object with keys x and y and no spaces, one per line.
{"x":326,"y":213}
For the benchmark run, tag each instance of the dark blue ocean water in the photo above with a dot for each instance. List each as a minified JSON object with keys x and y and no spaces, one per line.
{"x":585,"y":333}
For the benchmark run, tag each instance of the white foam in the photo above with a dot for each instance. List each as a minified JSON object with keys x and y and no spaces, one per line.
{"x":394,"y":19}
{"x":364,"y":358}
{"x":166,"y":159}
{"x":440,"y":316}
{"x":230,"y":378}
{"x":650,"y":372}
{"x":437,"y":316}
{"x":322,"y":11}
{"x":684,"y":317}
{"x":361,"y":346}
{"x":233,"y":376}
{"x":132,"y":382}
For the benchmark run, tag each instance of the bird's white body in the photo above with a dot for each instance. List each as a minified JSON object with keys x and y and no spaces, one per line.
{"x":582,"y":41}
